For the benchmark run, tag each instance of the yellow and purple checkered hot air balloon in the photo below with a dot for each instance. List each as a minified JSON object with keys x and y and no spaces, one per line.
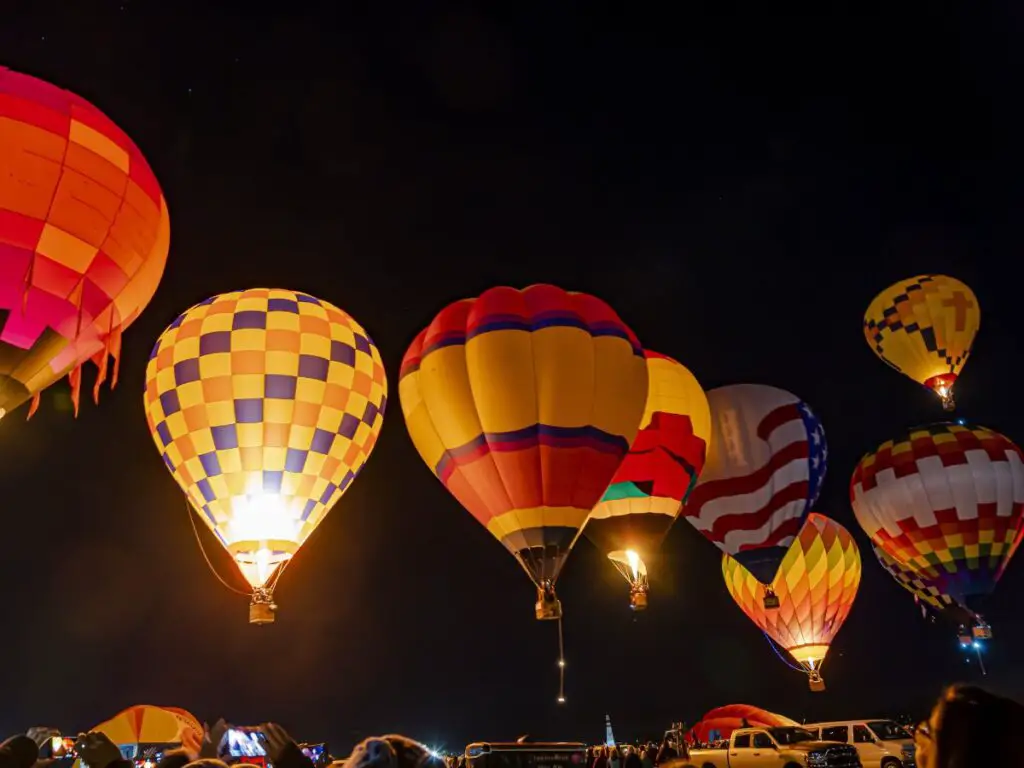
{"x":652,"y":483}
{"x":924,"y":328}
{"x":816,"y":586}
{"x":945,"y":502}
{"x":524,"y":404}
{"x":264,"y":404}
{"x":84,"y":235}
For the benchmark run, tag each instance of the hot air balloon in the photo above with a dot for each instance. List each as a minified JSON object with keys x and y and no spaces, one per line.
{"x":946,"y":502}
{"x":763,"y":474}
{"x":720,"y":722}
{"x":656,"y":476}
{"x":816,"y":586}
{"x":264,"y":404}
{"x":143,"y":725}
{"x":924,"y":327}
{"x":524,"y":404}
{"x":84,"y":234}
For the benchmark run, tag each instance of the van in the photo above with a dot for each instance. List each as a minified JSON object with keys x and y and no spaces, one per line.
{"x":880,"y":743}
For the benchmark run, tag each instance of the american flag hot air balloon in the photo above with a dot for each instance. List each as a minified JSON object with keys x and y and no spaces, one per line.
{"x":765,"y":467}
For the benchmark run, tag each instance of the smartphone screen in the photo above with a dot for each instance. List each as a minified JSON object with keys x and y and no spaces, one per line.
{"x":315,"y":752}
{"x":59,"y":747}
{"x":245,"y":742}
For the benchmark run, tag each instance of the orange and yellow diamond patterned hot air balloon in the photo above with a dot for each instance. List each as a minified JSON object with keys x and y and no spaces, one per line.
{"x":84,"y":235}
{"x":265,"y":404}
{"x":924,"y":327}
{"x":816,"y":585}
{"x":652,"y":483}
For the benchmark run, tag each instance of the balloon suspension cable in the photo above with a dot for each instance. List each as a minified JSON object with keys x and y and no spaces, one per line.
{"x":981,"y":662}
{"x":778,"y":653}
{"x":561,"y":663}
{"x":191,"y":512}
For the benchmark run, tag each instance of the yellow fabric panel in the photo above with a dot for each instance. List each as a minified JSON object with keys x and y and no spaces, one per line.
{"x":673,"y":389}
{"x":903,"y":319}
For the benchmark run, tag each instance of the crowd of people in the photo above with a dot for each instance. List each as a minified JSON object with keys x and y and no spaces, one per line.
{"x":968,"y":727}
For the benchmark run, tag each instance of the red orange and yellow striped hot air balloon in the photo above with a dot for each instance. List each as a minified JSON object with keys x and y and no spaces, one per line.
{"x":84,"y":235}
{"x":264,"y":404}
{"x":524,"y":404}
{"x":816,"y":586}
{"x":924,"y":327}
{"x":657,"y":475}
{"x":946,"y":502}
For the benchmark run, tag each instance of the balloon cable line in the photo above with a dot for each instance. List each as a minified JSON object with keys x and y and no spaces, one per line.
{"x":191,"y":512}
{"x":785,"y":661}
{"x":561,"y":663}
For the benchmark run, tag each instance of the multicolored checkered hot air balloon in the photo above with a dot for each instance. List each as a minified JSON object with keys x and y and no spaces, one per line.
{"x":657,"y":475}
{"x":84,"y":234}
{"x":764,"y":471}
{"x":946,"y":502}
{"x":816,"y":586}
{"x":265,"y":404}
{"x":524,"y":404}
{"x":924,"y":327}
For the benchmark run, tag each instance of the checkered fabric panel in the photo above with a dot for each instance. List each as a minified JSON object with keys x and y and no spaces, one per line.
{"x":265,"y":392}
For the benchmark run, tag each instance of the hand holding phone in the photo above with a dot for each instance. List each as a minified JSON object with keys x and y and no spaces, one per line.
{"x":245,"y":741}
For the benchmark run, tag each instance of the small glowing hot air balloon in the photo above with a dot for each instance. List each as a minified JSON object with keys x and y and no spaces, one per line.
{"x":657,"y":475}
{"x":265,"y":404}
{"x":816,"y":585}
{"x":945,"y":502}
{"x":524,"y":404}
{"x":84,"y":234}
{"x":924,"y":327}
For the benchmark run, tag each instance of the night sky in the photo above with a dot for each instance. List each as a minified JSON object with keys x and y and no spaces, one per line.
{"x":737,"y":184}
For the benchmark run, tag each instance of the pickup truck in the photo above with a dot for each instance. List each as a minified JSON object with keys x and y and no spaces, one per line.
{"x":780,"y":747}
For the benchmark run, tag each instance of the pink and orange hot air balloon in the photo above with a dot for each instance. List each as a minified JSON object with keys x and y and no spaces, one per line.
{"x":816,"y":585}
{"x":84,"y":235}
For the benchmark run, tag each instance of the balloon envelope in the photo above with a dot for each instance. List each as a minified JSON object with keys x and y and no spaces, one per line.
{"x":264,"y":404}
{"x":945,"y":501}
{"x":764,"y":471}
{"x":816,"y":586}
{"x":84,"y":235}
{"x":524,"y":403}
{"x":924,"y":327}
{"x":662,"y":466}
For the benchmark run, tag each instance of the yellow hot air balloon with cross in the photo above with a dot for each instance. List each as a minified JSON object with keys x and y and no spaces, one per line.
{"x":924,"y":328}
{"x":264,"y":404}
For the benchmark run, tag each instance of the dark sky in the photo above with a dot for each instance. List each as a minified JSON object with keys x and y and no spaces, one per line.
{"x":738,"y":184}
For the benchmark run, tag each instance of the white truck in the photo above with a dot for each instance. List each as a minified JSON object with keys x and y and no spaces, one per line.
{"x":780,"y":747}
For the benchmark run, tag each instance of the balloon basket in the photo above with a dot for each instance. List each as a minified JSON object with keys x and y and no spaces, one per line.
{"x":771,"y":601}
{"x":815,"y":682}
{"x":261,"y":609}
{"x":549,"y":607}
{"x":638,"y":600}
